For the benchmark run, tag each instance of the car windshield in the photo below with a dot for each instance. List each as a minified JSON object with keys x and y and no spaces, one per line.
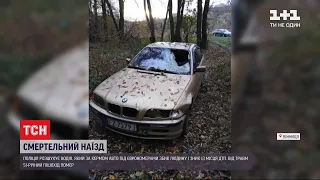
{"x":167,"y":60}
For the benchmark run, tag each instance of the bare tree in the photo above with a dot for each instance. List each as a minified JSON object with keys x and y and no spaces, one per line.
{"x":121,"y":18}
{"x":199,"y":19}
{"x":204,"y":25}
{"x":90,"y":7}
{"x":104,"y":15}
{"x":112,"y":15}
{"x":95,"y":9}
{"x":149,"y":20}
{"x":95,"y":23}
{"x":165,"y":21}
{"x":171,"y":20}
{"x":177,"y":35}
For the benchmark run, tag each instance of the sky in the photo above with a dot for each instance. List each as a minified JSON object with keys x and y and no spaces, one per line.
{"x":134,"y":10}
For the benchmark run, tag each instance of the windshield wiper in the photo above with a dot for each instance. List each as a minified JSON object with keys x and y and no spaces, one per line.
{"x":160,"y":70}
{"x":136,"y":67}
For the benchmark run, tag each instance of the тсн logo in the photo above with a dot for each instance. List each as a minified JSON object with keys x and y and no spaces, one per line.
{"x":34,"y":129}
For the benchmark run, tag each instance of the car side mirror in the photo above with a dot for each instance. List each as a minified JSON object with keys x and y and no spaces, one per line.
{"x":128,"y":60}
{"x":201,"y":69}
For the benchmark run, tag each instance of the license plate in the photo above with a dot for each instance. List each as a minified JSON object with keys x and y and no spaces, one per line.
{"x":122,"y":125}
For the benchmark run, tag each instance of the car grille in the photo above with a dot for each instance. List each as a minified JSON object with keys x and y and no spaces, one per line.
{"x":157,"y":113}
{"x":125,"y":111}
{"x":64,"y":131}
{"x":114,"y":108}
{"x":130,"y":112}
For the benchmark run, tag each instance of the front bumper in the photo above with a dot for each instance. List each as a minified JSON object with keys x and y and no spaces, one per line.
{"x":164,"y":129}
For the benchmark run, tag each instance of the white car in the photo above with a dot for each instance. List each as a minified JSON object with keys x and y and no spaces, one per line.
{"x":58,"y":92}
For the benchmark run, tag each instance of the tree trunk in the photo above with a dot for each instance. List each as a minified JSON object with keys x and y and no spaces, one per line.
{"x":199,"y":19}
{"x":165,"y":22}
{"x":171,"y":21}
{"x":145,"y":13}
{"x":90,"y":7}
{"x":186,"y":39}
{"x":104,"y":15}
{"x":121,"y":19}
{"x":95,"y":8}
{"x":204,"y":24}
{"x":177,"y":36}
{"x":153,"y":37}
{"x":112,"y":15}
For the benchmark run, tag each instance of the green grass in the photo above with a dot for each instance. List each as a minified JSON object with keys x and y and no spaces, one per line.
{"x":226,"y":41}
{"x":15,"y":71}
{"x":95,"y":80}
{"x":221,"y":40}
{"x":42,"y":28}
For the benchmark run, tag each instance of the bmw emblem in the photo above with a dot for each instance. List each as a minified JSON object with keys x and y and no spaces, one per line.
{"x":124,"y":100}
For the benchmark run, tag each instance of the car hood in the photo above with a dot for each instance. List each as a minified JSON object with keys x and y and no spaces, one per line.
{"x":143,"y":90}
{"x":60,"y":89}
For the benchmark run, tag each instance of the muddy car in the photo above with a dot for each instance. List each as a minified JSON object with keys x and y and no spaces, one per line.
{"x":152,"y":97}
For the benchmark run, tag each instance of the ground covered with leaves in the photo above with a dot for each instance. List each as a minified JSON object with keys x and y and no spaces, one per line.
{"x":210,"y":118}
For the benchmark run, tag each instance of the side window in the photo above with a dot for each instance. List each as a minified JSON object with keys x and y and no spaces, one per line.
{"x":198,"y":56}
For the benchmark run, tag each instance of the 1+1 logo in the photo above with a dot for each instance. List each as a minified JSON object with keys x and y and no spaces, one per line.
{"x":292,"y":15}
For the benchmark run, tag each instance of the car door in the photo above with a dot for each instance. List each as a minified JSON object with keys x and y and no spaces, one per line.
{"x":198,"y":59}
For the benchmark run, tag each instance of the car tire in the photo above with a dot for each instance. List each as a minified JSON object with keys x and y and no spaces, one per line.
{"x":185,"y":129}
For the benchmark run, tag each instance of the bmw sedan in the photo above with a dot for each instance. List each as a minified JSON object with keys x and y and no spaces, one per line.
{"x":151,"y":98}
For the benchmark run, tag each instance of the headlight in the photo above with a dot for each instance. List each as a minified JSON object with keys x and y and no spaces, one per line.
{"x":98,"y":100}
{"x":15,"y":104}
{"x":25,"y":108}
{"x":155,"y":113}
{"x":176,"y":114}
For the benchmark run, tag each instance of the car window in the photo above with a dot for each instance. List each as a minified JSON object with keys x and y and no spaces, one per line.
{"x":198,"y":56}
{"x":163,"y":59}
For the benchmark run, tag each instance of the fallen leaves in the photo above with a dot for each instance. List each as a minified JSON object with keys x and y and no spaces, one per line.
{"x":112,"y":177}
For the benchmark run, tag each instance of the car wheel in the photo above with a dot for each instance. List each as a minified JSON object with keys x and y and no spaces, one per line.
{"x":185,"y":129}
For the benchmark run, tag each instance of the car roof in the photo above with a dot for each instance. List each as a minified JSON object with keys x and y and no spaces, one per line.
{"x":173,"y":45}
{"x":221,"y":30}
